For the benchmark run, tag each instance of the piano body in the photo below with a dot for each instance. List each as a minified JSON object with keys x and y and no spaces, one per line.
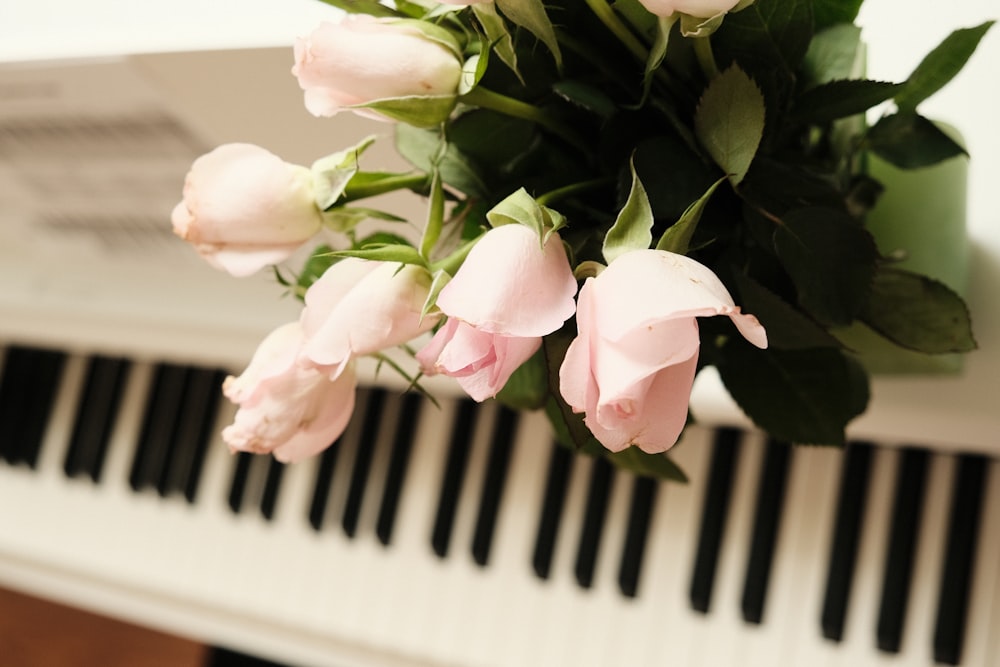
{"x":453,"y":536}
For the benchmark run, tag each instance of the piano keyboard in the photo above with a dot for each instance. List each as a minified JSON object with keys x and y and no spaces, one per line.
{"x":462,"y":535}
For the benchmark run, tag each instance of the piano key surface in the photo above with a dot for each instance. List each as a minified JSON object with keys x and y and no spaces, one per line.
{"x":272,"y":580}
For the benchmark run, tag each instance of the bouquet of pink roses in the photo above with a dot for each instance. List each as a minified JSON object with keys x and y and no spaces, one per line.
{"x":603,"y":181}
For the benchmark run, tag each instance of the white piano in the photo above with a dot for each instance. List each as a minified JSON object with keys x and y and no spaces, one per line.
{"x":450,"y":537}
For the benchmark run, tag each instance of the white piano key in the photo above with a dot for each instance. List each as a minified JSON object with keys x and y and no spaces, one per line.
{"x":917,"y":644}
{"x":796,"y":562}
{"x":814,"y":496}
{"x":858,"y":646}
{"x":982,"y":636}
{"x":56,"y":440}
{"x":663,"y":603}
{"x":725,"y":617}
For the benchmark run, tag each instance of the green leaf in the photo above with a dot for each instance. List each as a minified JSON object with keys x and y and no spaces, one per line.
{"x":664,"y":24}
{"x":527,"y":388}
{"x":632,"y":228}
{"x":839,"y":99}
{"x":830,"y":259}
{"x":530,"y":15}
{"x":416,"y":110}
{"x":404,"y":254}
{"x":787,"y":328}
{"x":521,"y":208}
{"x":656,"y":466}
{"x":910,"y":141}
{"x":497,"y":35}
{"x":833,"y":54}
{"x":830,"y":12}
{"x":435,"y":217}
{"x":797,"y":396}
{"x":918,"y":313}
{"x":586,"y":96}
{"x":769,"y":39}
{"x":729,"y":121}
{"x":940,"y":66}
{"x":370,"y":7}
{"x":345,"y":218}
{"x":677,"y":238}
{"x":332,"y":173}
{"x":421,"y":148}
{"x":317,"y":264}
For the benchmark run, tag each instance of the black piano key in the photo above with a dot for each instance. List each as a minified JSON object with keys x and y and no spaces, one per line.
{"x":640,"y":515}
{"x":238,"y":486}
{"x":399,"y":461}
{"x":602,"y":478}
{"x":501,"y":447}
{"x":269,"y":498}
{"x":767,"y":520}
{"x":715,"y":510}
{"x":454,"y":474}
{"x":363,"y":461}
{"x":556,"y":484}
{"x":95,"y":416}
{"x":321,"y":490}
{"x":27,"y":394}
{"x":851,"y":501}
{"x":156,"y":437}
{"x":907,"y":510}
{"x":959,"y":562}
{"x":192,"y":432}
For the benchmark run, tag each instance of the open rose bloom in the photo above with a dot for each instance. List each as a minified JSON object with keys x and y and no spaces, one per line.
{"x":509,"y":293}
{"x":286,"y":409}
{"x":632,"y":365}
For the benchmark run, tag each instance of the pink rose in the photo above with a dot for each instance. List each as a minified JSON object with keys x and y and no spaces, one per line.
{"x":631,"y":367}
{"x":360,"y":307}
{"x":509,"y":293}
{"x":703,"y":9}
{"x":245,"y":208}
{"x":363,"y":59}
{"x":285,"y":409}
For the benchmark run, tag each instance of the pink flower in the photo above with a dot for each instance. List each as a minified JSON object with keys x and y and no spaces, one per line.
{"x":360,"y":307}
{"x":285,"y":409}
{"x":631,"y":367}
{"x":703,"y":9}
{"x":509,"y":293}
{"x":363,"y":59}
{"x":245,"y":208}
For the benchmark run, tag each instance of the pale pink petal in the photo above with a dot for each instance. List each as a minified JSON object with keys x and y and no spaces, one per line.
{"x":509,"y":285}
{"x":329,"y":424}
{"x":330,"y":289}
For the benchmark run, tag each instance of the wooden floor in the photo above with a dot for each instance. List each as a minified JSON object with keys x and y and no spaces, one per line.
{"x":36,"y":633}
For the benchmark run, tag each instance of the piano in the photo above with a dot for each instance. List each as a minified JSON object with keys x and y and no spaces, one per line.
{"x":452,"y":536}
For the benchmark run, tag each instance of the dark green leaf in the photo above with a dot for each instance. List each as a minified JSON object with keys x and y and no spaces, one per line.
{"x":586,"y":96}
{"x":910,"y":141}
{"x":830,"y":259}
{"x":769,"y":36}
{"x":657,"y":466}
{"x":527,"y":388}
{"x":839,"y":99}
{"x":918,"y":313}
{"x":787,"y":328}
{"x":420,"y":147}
{"x":729,"y":121}
{"x":940,"y":66}
{"x":673,"y":175}
{"x":678,"y":236}
{"x":799,"y":396}
{"x":530,"y":15}
{"x":829,"y":12}
{"x":833,"y":54}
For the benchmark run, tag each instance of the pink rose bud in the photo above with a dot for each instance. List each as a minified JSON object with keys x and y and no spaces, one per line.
{"x":363,"y":59}
{"x":285,"y":409}
{"x":245,"y":208}
{"x":632,"y":365}
{"x":509,"y":293}
{"x":360,"y":307}
{"x":703,"y":9}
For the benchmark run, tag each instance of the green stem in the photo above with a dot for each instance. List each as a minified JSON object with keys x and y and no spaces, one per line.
{"x":410,"y":181}
{"x":568,"y":190}
{"x":706,"y":58}
{"x":608,"y":17}
{"x":488,"y":99}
